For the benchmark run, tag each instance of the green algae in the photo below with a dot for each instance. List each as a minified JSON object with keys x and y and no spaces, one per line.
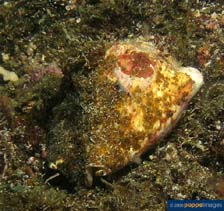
{"x":49,"y":111}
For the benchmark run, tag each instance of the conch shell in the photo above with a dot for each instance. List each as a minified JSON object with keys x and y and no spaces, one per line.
{"x":139,"y":96}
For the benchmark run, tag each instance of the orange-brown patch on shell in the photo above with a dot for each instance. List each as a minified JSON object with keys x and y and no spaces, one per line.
{"x":136,"y":64}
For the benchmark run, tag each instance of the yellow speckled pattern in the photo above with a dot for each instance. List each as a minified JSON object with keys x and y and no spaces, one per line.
{"x":127,"y":118}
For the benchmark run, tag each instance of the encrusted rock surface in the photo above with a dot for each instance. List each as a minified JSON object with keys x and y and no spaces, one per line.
{"x":53,"y":46}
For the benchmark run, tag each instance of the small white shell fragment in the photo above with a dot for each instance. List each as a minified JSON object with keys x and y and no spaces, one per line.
{"x":8,"y":75}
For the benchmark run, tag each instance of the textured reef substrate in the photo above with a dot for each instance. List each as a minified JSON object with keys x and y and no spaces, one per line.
{"x":53,"y":46}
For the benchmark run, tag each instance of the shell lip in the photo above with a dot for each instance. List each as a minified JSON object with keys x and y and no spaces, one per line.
{"x":95,"y":170}
{"x":196,"y":76}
